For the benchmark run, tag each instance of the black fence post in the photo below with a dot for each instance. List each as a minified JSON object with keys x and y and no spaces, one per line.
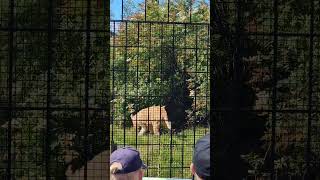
{"x":87,"y":80}
{"x":49,"y":65}
{"x":113,"y":81}
{"x":12,"y":29}
{"x":137,"y":80}
{"x":214,"y":122}
{"x":310,"y":90}
{"x":125,"y":86}
{"x":274,"y":87}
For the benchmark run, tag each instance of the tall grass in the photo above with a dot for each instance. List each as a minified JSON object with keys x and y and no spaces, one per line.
{"x":165,"y":155}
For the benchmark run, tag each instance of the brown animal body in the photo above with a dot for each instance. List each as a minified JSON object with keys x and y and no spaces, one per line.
{"x":150,"y":119}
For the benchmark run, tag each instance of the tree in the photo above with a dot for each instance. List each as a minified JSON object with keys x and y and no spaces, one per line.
{"x":254,"y":56}
{"x":162,"y":71}
{"x":67,"y":131}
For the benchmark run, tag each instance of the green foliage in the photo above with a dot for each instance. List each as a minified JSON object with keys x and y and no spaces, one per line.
{"x":67,"y":88}
{"x":165,"y":69}
{"x":159,"y":155}
{"x":292,"y":79}
{"x":168,"y":65}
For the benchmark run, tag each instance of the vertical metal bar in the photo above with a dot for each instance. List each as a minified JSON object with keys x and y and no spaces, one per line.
{"x":237,"y":59}
{"x":212,"y":86}
{"x":274,"y":86}
{"x":195,"y":89}
{"x":190,"y":11}
{"x":10,"y":81}
{"x":50,"y":54}
{"x":161,"y":72}
{"x":87,"y":70}
{"x":149,"y":87}
{"x":168,"y":10}
{"x":185,"y":57}
{"x":145,"y":10}
{"x":195,"y":101}
{"x":208,"y":75}
{"x":236,"y":81}
{"x":122,"y":10}
{"x":107,"y":59}
{"x":125,"y":86}
{"x":174,"y":56}
{"x":310,"y":73}
{"x":106,"y":52}
{"x":113,"y":74}
{"x":138,"y":81}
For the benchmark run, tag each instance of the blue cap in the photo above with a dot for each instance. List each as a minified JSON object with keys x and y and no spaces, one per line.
{"x":129,"y":158}
{"x":201,"y":157}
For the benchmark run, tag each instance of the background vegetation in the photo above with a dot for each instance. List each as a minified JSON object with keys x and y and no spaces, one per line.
{"x":243,"y":137}
{"x":244,"y":72}
{"x":30,"y":68}
{"x":161,"y":64}
{"x":162,"y":67}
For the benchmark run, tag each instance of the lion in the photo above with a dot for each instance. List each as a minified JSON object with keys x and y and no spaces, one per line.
{"x":152,"y":116}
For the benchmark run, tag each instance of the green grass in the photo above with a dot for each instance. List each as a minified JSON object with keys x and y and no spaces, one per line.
{"x":155,"y":150}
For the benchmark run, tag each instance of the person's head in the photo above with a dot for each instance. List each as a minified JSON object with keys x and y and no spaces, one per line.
{"x":200,"y":166}
{"x":125,"y":164}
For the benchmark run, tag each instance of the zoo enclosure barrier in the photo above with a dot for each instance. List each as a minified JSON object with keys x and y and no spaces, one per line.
{"x":265,"y":89}
{"x":53,"y":89}
{"x":160,"y":61}
{"x":163,"y":64}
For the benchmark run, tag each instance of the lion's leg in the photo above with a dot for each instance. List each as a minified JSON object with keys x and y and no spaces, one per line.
{"x":143,"y":130}
{"x":150,"y":128}
{"x":156,"y":128}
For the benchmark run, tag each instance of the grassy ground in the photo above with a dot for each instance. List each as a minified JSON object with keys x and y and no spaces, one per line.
{"x":156,"y":150}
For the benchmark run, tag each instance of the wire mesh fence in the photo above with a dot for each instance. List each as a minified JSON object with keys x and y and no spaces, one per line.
{"x":53,"y":89}
{"x":160,"y":81}
{"x":160,"y":84}
{"x":265,"y":89}
{"x":55,"y":72}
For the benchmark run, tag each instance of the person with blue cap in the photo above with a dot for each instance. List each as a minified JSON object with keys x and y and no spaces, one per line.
{"x":126,"y":164}
{"x":200,"y":166}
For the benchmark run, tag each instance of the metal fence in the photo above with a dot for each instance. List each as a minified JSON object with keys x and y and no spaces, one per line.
{"x":159,"y":61}
{"x":53,"y":89}
{"x":265,"y":89}
{"x":261,"y":90}
{"x":147,"y":60}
